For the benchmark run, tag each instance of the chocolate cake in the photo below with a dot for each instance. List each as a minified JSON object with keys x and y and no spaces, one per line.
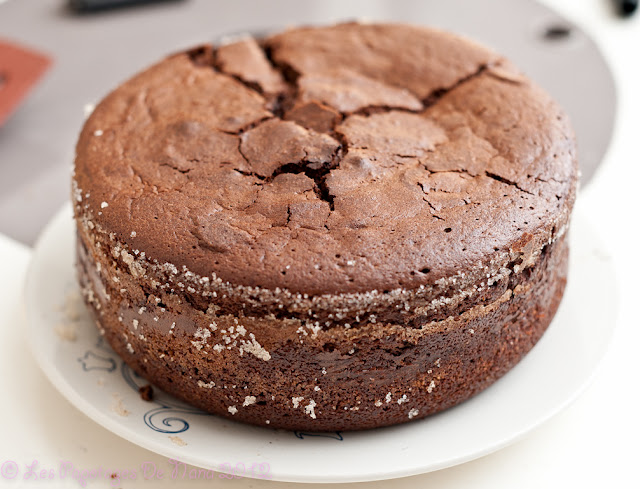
{"x":331,"y":228}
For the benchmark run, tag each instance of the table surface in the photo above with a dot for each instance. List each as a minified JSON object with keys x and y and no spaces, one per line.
{"x":593,"y":443}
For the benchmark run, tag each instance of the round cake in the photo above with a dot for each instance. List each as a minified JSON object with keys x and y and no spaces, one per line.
{"x":331,"y":228}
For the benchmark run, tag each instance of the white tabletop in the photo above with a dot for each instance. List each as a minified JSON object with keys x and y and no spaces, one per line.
{"x":593,"y":443}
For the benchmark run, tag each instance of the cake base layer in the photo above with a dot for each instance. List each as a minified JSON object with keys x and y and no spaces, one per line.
{"x":276,"y":371}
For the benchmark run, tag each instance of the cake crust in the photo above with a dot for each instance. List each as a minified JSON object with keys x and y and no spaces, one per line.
{"x":321,"y":215}
{"x":447,"y":175}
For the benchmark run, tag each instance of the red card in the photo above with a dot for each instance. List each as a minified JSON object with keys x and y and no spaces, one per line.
{"x":20,"y":69}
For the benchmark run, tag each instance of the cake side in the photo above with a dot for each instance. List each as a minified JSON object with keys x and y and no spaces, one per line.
{"x":278,"y":372}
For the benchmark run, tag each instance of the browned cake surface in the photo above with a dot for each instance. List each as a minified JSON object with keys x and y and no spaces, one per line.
{"x":323,"y":220}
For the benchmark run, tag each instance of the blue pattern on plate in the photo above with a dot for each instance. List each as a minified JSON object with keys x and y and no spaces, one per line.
{"x":162,"y":418}
{"x":91,"y":361}
{"x":336,"y":435}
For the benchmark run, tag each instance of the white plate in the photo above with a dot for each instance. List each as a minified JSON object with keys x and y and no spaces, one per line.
{"x":98,"y":383}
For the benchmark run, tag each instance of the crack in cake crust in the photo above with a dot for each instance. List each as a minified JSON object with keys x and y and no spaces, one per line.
{"x":315,"y":192}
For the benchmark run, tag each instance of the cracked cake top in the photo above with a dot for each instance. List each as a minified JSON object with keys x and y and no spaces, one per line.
{"x":323,"y":160}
